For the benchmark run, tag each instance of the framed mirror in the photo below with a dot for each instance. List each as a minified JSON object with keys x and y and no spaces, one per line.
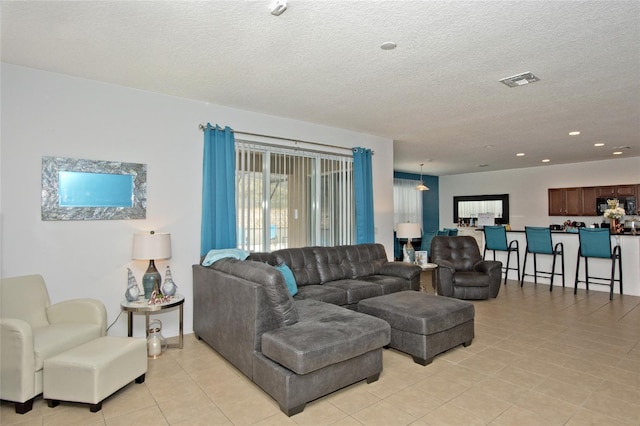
{"x":468,"y":207}
{"x":79,"y":189}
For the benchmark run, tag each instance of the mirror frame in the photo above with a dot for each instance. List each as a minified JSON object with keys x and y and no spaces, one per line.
{"x":50,"y":206}
{"x":496,"y":197}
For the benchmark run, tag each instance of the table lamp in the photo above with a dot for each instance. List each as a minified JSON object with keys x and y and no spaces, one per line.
{"x":408,"y":230}
{"x":151,"y":246}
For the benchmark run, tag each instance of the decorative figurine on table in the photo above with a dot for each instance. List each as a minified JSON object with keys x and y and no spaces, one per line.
{"x":168,"y":287}
{"x":157,"y":298}
{"x":133,"y":291}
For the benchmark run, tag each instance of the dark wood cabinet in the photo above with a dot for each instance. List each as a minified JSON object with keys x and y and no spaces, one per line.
{"x":607,"y":191}
{"x":582,"y":201}
{"x":565,"y":201}
{"x":589,"y":197}
{"x":626,"y":190}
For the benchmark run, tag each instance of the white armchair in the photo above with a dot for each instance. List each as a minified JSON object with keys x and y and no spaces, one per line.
{"x":32,"y":330}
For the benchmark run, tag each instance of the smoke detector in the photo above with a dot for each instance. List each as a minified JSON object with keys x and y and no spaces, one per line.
{"x":278,"y":6}
{"x":520,"y":79}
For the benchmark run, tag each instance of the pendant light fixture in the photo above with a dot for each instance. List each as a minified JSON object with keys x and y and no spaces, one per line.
{"x":422,"y":186}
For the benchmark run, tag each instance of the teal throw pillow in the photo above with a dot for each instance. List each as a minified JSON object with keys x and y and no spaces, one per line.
{"x":289,"y":279}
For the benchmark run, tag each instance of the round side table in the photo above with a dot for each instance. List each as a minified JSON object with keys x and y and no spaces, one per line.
{"x":429,"y":267}
{"x":142,"y":306}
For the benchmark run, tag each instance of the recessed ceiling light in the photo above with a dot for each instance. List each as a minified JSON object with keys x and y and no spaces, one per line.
{"x":617,"y":153}
{"x":598,"y":144}
{"x":546,"y":160}
{"x":575,"y":133}
{"x":388,"y":45}
{"x":488,"y":146}
{"x":520,"y":154}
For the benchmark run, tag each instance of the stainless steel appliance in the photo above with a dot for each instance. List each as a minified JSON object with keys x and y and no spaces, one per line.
{"x":627,"y":202}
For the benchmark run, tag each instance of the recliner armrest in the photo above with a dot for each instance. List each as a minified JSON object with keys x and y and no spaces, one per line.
{"x":445,"y":273}
{"x":446,"y":264}
{"x":487,"y":266}
{"x":79,"y":310}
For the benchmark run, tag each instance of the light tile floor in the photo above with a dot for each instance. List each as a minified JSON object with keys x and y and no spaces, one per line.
{"x":538,"y":358}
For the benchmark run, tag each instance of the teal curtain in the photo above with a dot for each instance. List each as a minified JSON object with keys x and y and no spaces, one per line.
{"x":363,"y":186}
{"x":218,"y":228}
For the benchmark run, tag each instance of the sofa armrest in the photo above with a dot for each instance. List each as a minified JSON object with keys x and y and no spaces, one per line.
{"x":400,"y":269}
{"x":79,"y":310}
{"x":17,"y":360}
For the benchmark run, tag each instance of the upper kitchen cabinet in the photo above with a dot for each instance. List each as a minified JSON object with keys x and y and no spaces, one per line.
{"x":565,"y":201}
{"x":583,"y":201}
{"x":616,"y":190}
{"x":589,"y":196}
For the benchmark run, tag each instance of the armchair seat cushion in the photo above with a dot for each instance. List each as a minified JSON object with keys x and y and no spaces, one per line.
{"x":329,"y":335}
{"x":57,"y":338}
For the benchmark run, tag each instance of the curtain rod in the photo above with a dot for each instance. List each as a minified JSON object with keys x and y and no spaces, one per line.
{"x":203,"y":127}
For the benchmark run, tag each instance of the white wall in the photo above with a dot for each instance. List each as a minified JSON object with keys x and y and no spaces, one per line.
{"x":47,"y":114}
{"x":527,"y":188}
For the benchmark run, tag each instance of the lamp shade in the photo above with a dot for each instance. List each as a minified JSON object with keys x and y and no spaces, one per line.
{"x":422,"y":187}
{"x":150,"y":246}
{"x":408,"y":230}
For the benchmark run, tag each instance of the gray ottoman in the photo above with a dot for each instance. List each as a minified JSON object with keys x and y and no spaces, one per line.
{"x":423,"y":325}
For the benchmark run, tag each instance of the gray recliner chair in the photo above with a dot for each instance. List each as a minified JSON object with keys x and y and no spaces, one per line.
{"x":461,"y":272}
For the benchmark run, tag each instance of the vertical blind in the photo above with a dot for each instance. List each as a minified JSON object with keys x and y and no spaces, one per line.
{"x":292,"y":197}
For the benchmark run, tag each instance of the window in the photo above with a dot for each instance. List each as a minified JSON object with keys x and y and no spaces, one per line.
{"x":407,"y":201}
{"x":292,"y":198}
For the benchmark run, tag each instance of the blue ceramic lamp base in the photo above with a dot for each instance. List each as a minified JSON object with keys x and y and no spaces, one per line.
{"x":151,"y":280}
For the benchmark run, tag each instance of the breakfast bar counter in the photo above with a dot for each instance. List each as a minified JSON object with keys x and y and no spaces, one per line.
{"x":629,"y":245}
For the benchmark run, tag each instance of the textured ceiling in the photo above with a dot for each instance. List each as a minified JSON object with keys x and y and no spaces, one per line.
{"x":437,"y":95}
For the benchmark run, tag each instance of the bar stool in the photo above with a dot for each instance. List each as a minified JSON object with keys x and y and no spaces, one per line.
{"x":495,"y":238}
{"x":596,"y":243}
{"x":539,"y":242}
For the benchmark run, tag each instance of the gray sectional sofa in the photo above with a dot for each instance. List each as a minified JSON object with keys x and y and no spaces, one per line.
{"x":299,"y":348}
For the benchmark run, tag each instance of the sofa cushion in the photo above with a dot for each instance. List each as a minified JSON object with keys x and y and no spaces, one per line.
{"x":325,"y":335}
{"x":323,"y":293}
{"x":270,"y":279}
{"x":264,"y":257}
{"x":302,"y":262}
{"x":331,"y":263}
{"x":356,"y":290}
{"x":387,"y":284}
{"x":364,"y":259}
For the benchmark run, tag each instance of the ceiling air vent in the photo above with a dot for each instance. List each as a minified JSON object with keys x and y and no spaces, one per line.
{"x":520,"y":79}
